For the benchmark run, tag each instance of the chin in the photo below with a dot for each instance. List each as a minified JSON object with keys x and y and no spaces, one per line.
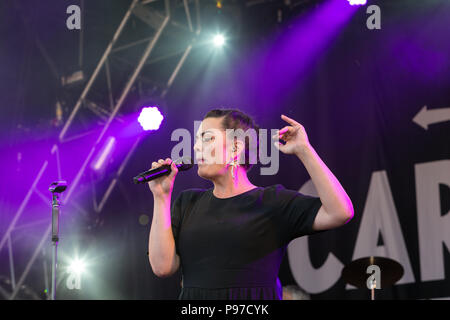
{"x":204,"y":172}
{"x":201,"y":173}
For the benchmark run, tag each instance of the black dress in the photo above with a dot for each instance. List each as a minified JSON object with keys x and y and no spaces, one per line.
{"x":232,"y":248}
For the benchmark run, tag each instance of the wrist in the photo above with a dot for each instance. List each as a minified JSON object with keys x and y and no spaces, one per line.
{"x":304,"y":151}
{"x":162,"y":196}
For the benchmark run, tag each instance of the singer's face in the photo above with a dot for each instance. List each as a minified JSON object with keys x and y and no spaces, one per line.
{"x":211,"y":149}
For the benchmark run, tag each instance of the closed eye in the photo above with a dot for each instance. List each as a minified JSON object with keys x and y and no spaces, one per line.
{"x":205,"y":139}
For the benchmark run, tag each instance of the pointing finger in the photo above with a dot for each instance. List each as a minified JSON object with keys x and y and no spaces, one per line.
{"x":289,"y":120}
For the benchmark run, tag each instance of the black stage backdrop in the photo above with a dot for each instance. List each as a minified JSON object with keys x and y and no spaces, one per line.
{"x":375,"y":105}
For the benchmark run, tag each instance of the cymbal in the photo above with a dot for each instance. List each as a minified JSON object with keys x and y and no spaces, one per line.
{"x":355,"y":273}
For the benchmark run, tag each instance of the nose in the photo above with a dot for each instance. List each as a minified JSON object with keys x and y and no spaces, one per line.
{"x":197,"y":146}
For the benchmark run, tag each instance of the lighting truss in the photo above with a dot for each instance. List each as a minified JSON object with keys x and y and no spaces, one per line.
{"x":160,"y":21}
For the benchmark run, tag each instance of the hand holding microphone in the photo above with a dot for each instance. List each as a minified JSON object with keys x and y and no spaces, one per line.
{"x":161,"y":176}
{"x":163,"y":185}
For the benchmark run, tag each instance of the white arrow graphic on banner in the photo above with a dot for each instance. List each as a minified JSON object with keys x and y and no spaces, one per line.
{"x":426,"y":117}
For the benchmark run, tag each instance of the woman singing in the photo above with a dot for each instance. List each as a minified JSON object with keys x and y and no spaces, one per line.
{"x":230,"y":239}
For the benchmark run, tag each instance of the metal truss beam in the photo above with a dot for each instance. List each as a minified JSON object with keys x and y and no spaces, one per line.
{"x":107,"y":115}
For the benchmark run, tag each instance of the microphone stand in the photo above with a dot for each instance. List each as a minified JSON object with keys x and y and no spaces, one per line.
{"x":55,"y":239}
{"x":56,"y":188}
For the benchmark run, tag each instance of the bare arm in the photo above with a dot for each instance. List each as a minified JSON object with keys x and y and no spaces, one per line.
{"x":161,"y":245}
{"x":337,"y":208}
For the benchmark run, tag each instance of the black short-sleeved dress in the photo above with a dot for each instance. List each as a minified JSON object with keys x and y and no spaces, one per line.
{"x":232,"y":248}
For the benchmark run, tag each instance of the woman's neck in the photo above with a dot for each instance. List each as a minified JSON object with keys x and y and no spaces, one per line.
{"x":226,"y":186}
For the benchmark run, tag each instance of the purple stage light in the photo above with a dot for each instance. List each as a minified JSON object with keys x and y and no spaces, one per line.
{"x":357,"y":2}
{"x":150,"y":118}
{"x":104,"y":153}
{"x":293,"y":53}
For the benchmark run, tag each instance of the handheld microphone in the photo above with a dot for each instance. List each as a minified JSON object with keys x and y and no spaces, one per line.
{"x":186,"y":164}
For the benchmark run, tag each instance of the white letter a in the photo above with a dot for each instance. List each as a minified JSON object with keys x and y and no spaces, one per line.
{"x":374,"y":21}
{"x":74,"y":20}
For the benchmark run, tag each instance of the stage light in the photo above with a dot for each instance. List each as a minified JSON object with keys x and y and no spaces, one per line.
{"x":104,"y":153}
{"x":357,"y":2}
{"x":219,"y":40}
{"x":150,"y":118}
{"x":77,"y":266}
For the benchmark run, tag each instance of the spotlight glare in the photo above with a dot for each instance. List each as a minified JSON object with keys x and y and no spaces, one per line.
{"x":77,"y":266}
{"x":150,"y":118}
{"x":219,"y":40}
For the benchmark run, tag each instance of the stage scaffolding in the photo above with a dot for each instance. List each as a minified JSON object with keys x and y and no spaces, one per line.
{"x":164,"y":26}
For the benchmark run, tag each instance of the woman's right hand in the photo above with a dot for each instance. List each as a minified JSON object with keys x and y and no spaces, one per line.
{"x":162,"y":186}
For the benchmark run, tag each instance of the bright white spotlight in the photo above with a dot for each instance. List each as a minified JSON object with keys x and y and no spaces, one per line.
{"x":150,"y":118}
{"x":219,"y":40}
{"x":77,"y":266}
{"x":357,"y":2}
